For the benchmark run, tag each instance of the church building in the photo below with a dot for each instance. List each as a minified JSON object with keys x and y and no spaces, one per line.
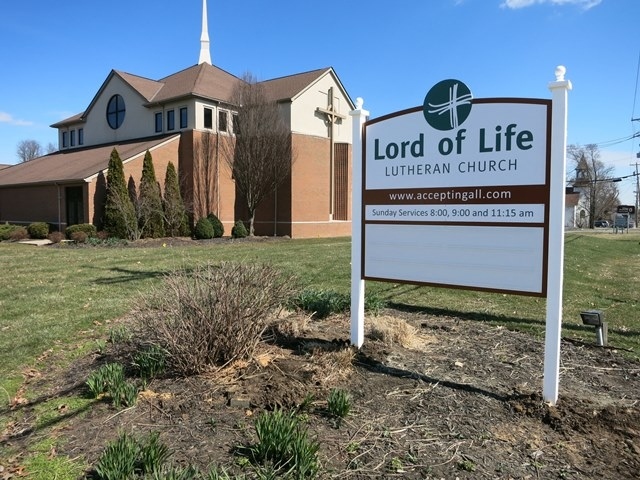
{"x":171,"y":117}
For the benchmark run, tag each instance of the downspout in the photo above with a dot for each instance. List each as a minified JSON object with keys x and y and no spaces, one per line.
{"x":275,"y":212}
{"x":59,"y":209}
{"x":217,"y":173}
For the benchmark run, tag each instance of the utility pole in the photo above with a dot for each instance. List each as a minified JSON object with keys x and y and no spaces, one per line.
{"x":637,"y":192}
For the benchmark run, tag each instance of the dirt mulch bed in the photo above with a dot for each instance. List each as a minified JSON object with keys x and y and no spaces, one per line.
{"x":439,"y":398}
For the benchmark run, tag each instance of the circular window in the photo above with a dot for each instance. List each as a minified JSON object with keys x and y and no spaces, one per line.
{"x":115,"y":111}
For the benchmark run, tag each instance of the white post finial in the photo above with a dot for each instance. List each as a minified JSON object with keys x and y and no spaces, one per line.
{"x":205,"y":53}
{"x":560,"y":71}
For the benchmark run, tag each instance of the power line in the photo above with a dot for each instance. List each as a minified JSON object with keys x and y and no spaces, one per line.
{"x":616,"y":141}
{"x":635,"y":93}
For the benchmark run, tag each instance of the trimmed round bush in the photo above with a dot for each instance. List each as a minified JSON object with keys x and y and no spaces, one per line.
{"x":87,"y":228}
{"x":218,"y":228}
{"x":38,"y":230}
{"x":239,"y":230}
{"x":204,"y":230}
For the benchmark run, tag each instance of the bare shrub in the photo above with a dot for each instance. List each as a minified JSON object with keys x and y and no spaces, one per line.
{"x":79,"y":237}
{"x":18,"y":233}
{"x":212,"y":315}
{"x":56,"y":237}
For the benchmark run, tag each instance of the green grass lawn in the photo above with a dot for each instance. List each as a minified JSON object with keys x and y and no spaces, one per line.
{"x":55,"y":298}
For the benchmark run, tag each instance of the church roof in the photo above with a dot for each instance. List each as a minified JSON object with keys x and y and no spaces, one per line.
{"x":201,"y":80}
{"x":77,"y":164}
{"x":287,"y":88}
{"x":146,"y":87}
{"x":205,"y":81}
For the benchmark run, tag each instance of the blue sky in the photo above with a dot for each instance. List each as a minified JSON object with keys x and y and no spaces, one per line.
{"x":55,"y":55}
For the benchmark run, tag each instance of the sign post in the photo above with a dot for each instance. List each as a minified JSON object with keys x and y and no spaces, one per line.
{"x":559,"y":90}
{"x":358,"y":117}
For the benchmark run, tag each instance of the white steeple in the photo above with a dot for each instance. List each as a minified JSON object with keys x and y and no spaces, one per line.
{"x":205,"y":53}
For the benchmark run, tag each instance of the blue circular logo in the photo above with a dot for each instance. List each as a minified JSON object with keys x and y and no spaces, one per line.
{"x":447,"y":105}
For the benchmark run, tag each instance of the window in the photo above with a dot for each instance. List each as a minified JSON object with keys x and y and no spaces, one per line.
{"x":171,"y":120}
{"x":115,"y":111}
{"x":72,"y":138}
{"x":236,"y":123}
{"x":81,"y":136}
{"x":183,"y":117}
{"x":65,"y":139}
{"x":222,"y":121}
{"x":208,"y":118}
{"x":158,"y":122}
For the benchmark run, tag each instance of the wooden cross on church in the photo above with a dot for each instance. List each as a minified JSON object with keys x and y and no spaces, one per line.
{"x":332,"y":117}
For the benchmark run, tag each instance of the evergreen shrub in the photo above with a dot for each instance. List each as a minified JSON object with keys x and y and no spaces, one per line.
{"x":218,"y":228}
{"x":119,"y":212}
{"x":204,"y":230}
{"x":6,"y":230}
{"x":88,"y":229}
{"x":149,"y":205}
{"x":239,"y":230}
{"x":175,"y":214}
{"x":38,"y":230}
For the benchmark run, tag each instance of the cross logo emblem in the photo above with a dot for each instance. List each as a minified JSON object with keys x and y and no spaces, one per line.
{"x":447,"y":105}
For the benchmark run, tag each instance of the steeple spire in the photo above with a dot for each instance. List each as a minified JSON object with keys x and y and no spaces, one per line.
{"x":205,"y":53}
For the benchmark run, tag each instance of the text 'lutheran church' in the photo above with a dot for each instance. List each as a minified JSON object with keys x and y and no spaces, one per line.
{"x":169,"y":117}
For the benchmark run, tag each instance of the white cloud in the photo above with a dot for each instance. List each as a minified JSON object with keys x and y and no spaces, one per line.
{"x":7,"y":118}
{"x":516,"y":4}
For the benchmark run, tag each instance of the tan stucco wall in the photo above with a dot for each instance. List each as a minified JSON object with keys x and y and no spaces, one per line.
{"x":306,"y":120}
{"x":139,"y":120}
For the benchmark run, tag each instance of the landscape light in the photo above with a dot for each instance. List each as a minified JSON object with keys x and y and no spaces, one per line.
{"x":596,"y":318}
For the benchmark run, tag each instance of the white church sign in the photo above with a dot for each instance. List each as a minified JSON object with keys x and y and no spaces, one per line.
{"x":456,"y":193}
{"x":464,"y":193}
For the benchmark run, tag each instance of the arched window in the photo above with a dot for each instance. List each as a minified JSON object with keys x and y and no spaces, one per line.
{"x":115,"y":111}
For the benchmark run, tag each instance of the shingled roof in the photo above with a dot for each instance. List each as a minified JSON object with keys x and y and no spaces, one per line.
{"x":287,"y":88}
{"x":75,"y":165}
{"x":205,"y":81}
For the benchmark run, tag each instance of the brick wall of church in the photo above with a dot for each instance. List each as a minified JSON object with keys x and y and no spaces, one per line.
{"x":301,"y":206}
{"x":215,"y":195}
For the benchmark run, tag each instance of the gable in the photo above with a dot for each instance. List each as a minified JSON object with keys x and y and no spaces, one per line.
{"x":308,"y":120}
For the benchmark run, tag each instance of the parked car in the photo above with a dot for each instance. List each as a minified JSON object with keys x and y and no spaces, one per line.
{"x":601,"y":224}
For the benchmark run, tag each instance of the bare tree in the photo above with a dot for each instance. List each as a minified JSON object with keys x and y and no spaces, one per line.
{"x":595,"y":181}
{"x":28,"y":150}
{"x":51,"y":148}
{"x":262,"y":155}
{"x":205,"y":166}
